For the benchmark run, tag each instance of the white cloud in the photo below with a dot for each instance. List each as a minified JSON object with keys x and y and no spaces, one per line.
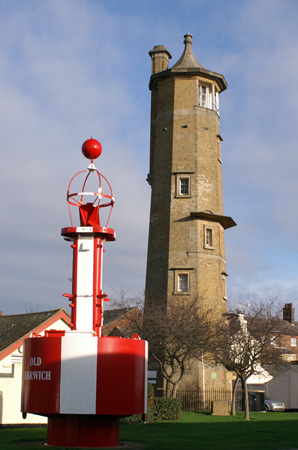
{"x":72,"y":69}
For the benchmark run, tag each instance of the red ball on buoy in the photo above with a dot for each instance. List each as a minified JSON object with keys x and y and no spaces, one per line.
{"x":91,"y":148}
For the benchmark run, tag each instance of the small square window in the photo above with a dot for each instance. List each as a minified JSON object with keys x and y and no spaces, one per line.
{"x":181,"y":281}
{"x":182,"y":185}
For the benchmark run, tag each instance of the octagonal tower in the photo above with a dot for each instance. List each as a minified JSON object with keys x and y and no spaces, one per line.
{"x":186,"y":252}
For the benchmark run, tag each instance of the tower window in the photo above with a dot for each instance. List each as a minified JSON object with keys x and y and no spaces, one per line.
{"x":182,"y":282}
{"x":219,"y":140}
{"x":224,"y":285}
{"x":208,"y":237}
{"x":203,"y":95}
{"x":182,"y":185}
{"x":293,"y":342}
{"x":208,"y":97}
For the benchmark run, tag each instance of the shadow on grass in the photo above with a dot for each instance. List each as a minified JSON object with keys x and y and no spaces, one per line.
{"x":224,"y":433}
{"x":195,"y":431}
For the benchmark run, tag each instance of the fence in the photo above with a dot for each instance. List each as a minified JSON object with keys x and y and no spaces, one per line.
{"x":199,"y":400}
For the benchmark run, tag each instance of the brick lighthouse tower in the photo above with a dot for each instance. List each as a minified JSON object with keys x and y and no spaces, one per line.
{"x":186,"y":254}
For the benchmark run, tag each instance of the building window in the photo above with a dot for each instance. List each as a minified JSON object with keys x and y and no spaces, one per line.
{"x":219,"y":140}
{"x":182,"y":281}
{"x":208,"y":237}
{"x":224,"y":286}
{"x":215,"y":99}
{"x":182,"y":185}
{"x":208,"y":97}
{"x":293,"y":342}
{"x":203,"y":96}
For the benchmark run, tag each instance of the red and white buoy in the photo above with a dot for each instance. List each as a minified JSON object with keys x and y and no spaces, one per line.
{"x":83,"y":381}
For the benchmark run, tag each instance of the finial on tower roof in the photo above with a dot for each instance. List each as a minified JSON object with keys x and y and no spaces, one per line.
{"x":187,"y":60}
{"x":187,"y":38}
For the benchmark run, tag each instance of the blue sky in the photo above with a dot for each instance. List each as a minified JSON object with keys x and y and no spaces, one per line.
{"x":70,"y":69}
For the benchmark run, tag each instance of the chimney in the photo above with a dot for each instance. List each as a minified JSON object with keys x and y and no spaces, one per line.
{"x":160,"y":58}
{"x":288,"y":313}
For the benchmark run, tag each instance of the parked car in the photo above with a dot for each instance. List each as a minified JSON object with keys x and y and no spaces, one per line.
{"x":273,"y":405}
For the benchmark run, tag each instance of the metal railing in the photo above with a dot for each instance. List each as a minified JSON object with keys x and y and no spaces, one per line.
{"x":200,"y":400}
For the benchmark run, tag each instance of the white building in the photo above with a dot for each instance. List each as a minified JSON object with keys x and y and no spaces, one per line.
{"x":284,"y":387}
{"x":13,"y":330}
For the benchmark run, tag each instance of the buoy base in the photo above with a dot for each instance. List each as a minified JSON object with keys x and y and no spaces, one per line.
{"x":77,"y":430}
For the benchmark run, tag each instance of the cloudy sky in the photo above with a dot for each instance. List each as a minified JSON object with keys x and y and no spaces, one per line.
{"x":70,"y":69}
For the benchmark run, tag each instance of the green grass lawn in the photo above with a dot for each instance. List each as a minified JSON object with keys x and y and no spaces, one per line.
{"x":194,"y":431}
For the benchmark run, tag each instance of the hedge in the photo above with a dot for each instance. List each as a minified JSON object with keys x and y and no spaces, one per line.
{"x":157,"y":409}
{"x":168,"y":408}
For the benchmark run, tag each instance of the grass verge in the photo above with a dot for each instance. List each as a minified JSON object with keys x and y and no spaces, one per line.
{"x":194,"y":431}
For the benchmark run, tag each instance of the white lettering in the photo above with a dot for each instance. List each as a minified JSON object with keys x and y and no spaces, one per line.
{"x":38,"y":375}
{"x":35,"y":361}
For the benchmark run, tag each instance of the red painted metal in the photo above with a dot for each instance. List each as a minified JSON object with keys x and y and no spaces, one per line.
{"x":107,"y":234}
{"x":91,"y":149}
{"x":120,"y":363}
{"x":82,"y":381}
{"x":89,"y":215}
{"x":83,"y":430}
{"x":77,"y":198}
{"x":121,"y":384}
{"x":73,"y":297}
{"x":98,"y":294}
{"x":41,"y":375}
{"x":54,"y":333}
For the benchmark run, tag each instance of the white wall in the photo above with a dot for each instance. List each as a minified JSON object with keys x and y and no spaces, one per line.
{"x":284,"y":387}
{"x":11,"y":386}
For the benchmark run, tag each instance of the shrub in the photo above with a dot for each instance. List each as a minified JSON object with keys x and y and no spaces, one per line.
{"x":168,"y":408}
{"x":131,"y":419}
{"x":157,"y":409}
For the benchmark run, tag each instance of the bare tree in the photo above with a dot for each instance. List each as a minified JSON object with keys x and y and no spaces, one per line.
{"x":177,"y":337}
{"x":246,"y":343}
{"x":121,"y":298}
